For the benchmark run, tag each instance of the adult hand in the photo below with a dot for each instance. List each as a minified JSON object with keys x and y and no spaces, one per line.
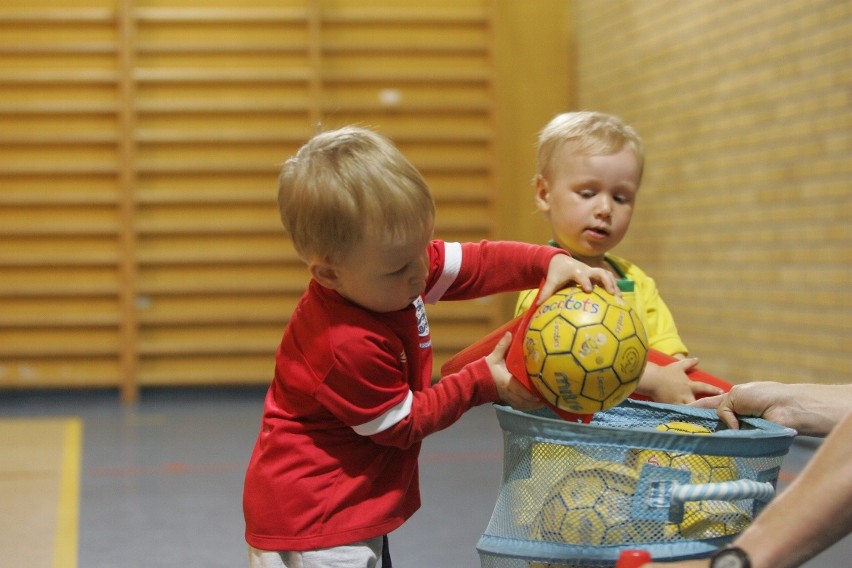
{"x":811,"y":409}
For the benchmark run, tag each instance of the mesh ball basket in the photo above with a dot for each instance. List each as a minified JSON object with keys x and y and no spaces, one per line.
{"x":672,"y":480}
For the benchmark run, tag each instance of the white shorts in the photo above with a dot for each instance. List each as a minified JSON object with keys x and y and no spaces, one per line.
{"x":363,"y":554}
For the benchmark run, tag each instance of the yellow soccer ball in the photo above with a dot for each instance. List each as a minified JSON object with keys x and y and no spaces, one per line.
{"x":585,"y":351}
{"x":548,"y":462}
{"x":709,"y":519}
{"x":703,"y":519}
{"x":590,"y":506}
{"x":702,"y":468}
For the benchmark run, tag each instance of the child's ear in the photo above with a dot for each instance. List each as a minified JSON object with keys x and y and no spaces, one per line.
{"x":325,"y":274}
{"x":542,"y":193}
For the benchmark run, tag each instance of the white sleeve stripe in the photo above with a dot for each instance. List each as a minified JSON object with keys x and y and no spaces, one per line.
{"x":452,"y":266}
{"x":388,"y":419}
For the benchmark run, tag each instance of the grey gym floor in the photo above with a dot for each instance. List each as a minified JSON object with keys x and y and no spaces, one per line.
{"x":162,"y":480}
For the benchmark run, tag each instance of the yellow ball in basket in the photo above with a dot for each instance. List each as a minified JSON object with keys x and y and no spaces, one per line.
{"x":684,"y":427}
{"x":591,"y":505}
{"x":702,"y":468}
{"x":703,"y":520}
{"x":585,"y":351}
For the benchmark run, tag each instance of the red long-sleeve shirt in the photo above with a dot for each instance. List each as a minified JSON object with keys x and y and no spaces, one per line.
{"x":335,"y":461}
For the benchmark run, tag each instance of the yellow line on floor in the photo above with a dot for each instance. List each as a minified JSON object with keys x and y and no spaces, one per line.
{"x":40,"y":462}
{"x":68,"y":513}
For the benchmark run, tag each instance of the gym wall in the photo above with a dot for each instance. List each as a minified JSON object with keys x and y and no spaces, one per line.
{"x":140,"y":142}
{"x":746,"y":206}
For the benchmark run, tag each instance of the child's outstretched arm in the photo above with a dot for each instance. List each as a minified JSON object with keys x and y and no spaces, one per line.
{"x":564,"y":269}
{"x":671,"y":384}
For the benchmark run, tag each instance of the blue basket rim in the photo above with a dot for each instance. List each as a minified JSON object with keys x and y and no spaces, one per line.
{"x":757,"y":437}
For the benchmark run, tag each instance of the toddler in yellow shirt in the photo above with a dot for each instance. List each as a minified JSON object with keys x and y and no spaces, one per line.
{"x":589,"y":169}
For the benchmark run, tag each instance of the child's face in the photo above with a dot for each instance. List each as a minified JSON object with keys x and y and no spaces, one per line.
{"x":383,"y":274}
{"x":589,"y":200}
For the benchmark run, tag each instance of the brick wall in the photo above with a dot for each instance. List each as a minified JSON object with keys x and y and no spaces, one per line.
{"x":745,"y":214}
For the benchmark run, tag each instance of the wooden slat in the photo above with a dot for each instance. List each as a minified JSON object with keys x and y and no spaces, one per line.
{"x":23,"y":259}
{"x":58,"y":107}
{"x":195,"y":75}
{"x":236,"y":309}
{"x":42,"y":221}
{"x":61,"y":47}
{"x":57,"y":280}
{"x":57,"y":77}
{"x":403,"y":75}
{"x":228,"y":339}
{"x":219,"y":137}
{"x":208,"y":106}
{"x":216,"y":279}
{"x":220,"y":14}
{"x":423,"y":15}
{"x":53,"y":320}
{"x":61,"y":15}
{"x":423,"y":47}
{"x":224,"y":48}
{"x":179,"y":195}
{"x":57,"y":341}
{"x":61,"y":372}
{"x":21,"y":197}
{"x":40,"y":168}
{"x":176,"y":167}
{"x":206,"y":370}
{"x":53,"y":138}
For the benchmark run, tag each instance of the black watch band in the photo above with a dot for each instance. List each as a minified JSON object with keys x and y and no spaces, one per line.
{"x":730,"y":557}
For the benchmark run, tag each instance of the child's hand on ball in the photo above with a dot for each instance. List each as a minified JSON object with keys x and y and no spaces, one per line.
{"x":564,"y":269}
{"x":510,"y":390}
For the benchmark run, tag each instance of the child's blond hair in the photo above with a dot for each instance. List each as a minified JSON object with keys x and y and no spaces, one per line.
{"x":591,"y":133}
{"x":343,"y":183}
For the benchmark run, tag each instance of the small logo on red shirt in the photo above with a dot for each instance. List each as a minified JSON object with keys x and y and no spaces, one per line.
{"x":422,"y":324}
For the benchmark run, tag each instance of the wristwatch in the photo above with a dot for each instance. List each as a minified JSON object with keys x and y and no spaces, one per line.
{"x":730,"y":557}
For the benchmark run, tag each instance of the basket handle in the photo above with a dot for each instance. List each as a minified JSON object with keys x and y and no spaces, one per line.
{"x":722,"y":491}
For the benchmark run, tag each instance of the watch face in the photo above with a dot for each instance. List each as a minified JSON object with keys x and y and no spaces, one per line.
{"x":730,"y":558}
{"x":727,"y":561}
